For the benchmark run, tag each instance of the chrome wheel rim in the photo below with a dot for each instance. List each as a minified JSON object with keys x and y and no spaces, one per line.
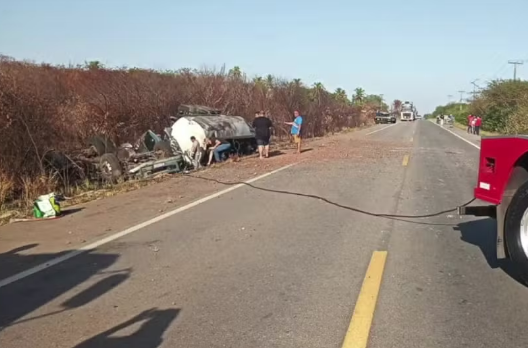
{"x":524,"y":232}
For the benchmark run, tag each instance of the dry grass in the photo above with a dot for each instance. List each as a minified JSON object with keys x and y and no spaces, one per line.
{"x":7,"y":185}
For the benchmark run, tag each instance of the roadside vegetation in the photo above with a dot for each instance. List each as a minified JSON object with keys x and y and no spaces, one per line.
{"x":45,"y":107}
{"x":503,"y":106}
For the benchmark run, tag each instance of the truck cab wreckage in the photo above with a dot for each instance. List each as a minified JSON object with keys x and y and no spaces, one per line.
{"x":153,"y":153}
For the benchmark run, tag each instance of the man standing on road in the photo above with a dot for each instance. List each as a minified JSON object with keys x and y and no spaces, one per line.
{"x":478,"y":124}
{"x":470,"y":123}
{"x":262,"y":126}
{"x":296,"y":129}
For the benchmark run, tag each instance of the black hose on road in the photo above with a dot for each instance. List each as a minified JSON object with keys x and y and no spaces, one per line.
{"x":357,"y":210}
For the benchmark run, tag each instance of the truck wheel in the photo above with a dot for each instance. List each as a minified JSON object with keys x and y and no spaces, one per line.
{"x":110,"y":168}
{"x":516,"y":230}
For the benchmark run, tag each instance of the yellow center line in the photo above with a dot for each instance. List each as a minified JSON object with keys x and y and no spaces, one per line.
{"x":405,"y":161}
{"x":359,"y":329}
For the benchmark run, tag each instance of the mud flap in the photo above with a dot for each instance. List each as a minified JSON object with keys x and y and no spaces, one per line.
{"x":482,"y":210}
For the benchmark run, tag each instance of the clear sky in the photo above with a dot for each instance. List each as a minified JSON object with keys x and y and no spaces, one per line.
{"x":415,"y":50}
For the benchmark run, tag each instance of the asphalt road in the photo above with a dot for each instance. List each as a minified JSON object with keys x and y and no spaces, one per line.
{"x":255,"y":268}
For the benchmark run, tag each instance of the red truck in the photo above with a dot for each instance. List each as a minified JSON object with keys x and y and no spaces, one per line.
{"x":503,"y":183}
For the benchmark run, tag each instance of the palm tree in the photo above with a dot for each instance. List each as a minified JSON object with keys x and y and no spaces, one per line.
{"x":359,"y":95}
{"x":317,"y":91}
{"x":236,"y":72}
{"x":94,"y":65}
{"x":270,"y":81}
{"x":340,"y":95}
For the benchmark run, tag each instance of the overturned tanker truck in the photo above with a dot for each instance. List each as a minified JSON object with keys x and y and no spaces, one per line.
{"x":152,"y":153}
{"x":503,"y":184}
{"x":202,"y":122}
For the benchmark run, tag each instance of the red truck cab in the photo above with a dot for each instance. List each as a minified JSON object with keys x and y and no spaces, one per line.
{"x":503,"y":182}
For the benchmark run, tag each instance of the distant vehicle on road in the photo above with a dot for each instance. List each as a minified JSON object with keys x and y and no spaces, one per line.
{"x":384,"y":117}
{"x":408,"y":112}
{"x":503,"y":183}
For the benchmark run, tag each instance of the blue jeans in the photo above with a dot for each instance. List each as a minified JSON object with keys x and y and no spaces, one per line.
{"x":219,"y":150}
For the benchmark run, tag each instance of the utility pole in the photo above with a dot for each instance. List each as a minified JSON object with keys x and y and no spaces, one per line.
{"x":461,"y":97}
{"x":449,"y":96}
{"x":515,"y":63}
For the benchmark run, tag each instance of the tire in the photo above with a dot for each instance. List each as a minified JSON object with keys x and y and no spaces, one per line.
{"x":110,"y":168}
{"x":102,"y":144}
{"x":164,"y":148}
{"x":516,"y":230}
{"x":123,"y":154}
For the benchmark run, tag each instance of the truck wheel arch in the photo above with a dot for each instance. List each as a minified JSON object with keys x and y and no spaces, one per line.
{"x":518,"y":176}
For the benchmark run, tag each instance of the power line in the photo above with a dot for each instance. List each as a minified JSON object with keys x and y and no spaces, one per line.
{"x":515,"y":63}
{"x":475,"y":86}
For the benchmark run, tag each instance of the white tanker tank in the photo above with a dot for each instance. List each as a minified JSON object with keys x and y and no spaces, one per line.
{"x":234,"y":129}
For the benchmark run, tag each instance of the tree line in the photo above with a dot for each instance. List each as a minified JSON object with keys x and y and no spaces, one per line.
{"x":502,"y":104}
{"x":45,"y":107}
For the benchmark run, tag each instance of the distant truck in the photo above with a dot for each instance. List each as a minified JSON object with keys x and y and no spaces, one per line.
{"x":503,"y":184}
{"x":408,"y":112}
{"x":384,"y":117}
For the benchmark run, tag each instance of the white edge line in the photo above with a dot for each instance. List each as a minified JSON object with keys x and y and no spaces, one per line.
{"x":94,"y":245}
{"x":458,"y":136}
{"x":379,"y":130}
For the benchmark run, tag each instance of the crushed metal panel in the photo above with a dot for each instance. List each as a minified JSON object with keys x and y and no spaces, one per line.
{"x":224,"y":127}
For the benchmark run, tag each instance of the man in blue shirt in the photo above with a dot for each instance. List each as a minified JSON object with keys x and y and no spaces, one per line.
{"x":296,"y":129}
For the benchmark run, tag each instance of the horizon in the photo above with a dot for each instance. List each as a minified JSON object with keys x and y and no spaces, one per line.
{"x":371,"y":46}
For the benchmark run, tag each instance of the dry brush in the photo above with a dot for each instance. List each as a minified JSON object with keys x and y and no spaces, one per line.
{"x":45,"y":107}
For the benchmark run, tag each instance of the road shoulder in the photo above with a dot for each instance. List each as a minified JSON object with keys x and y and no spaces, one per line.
{"x":84,"y":224}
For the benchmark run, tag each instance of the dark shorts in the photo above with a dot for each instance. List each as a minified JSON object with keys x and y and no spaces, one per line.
{"x":263,"y":141}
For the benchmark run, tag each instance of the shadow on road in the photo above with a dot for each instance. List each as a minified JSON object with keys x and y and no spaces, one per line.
{"x":70,"y":211}
{"x":14,"y":261}
{"x":24,"y":296}
{"x":149,"y":334}
{"x":483,"y":233}
{"x":276,"y":153}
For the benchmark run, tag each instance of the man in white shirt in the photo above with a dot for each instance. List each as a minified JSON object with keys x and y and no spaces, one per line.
{"x":196,"y":152}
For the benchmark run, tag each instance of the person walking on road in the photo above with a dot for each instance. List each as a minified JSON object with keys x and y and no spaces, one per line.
{"x":478,"y":124}
{"x":262,"y":126}
{"x":296,"y":129}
